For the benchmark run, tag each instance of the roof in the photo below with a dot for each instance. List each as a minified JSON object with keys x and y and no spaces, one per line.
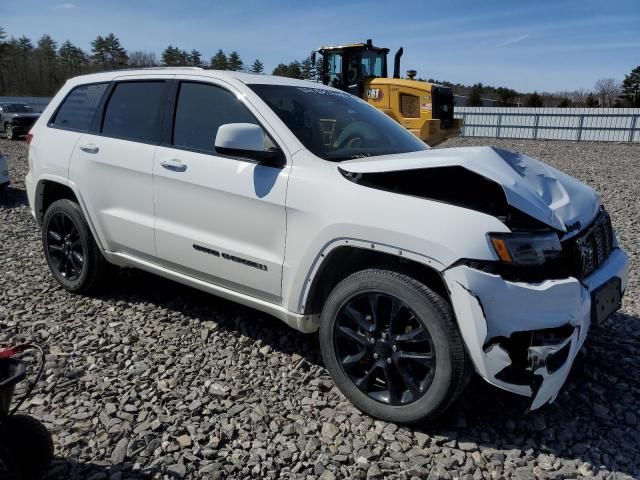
{"x":366,"y":46}
{"x":244,"y":77}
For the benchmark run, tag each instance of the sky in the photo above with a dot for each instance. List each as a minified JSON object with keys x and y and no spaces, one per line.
{"x":541,"y":45}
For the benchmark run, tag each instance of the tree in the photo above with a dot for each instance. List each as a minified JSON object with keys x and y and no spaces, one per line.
{"x":564,"y":103}
{"x":475,"y":96}
{"x":607,"y":90}
{"x":171,"y":56}
{"x":591,"y":101}
{"x":534,"y":100}
{"x":107,"y":52}
{"x":257,"y":67}
{"x":234,"y":62}
{"x":292,"y":70}
{"x":630,"y":95}
{"x":140,"y":59}
{"x":72,"y":59}
{"x":219,"y":61}
{"x":194,"y":58}
{"x":506,"y":96}
{"x":46,"y":55}
{"x":307,"y":69}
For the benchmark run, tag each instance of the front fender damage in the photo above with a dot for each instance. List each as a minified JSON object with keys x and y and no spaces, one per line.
{"x":521,"y":337}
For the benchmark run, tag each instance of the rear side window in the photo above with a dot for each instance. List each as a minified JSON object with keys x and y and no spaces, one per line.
{"x":134,"y":111}
{"x":78,"y":108}
{"x":201,"y":110}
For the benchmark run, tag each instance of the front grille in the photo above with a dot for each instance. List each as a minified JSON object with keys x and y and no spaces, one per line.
{"x":442,"y":99}
{"x":591,"y":247}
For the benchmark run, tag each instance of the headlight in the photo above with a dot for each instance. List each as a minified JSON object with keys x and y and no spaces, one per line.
{"x":526,"y":248}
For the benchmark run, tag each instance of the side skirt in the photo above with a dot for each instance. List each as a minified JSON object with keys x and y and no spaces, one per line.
{"x":302,"y":323}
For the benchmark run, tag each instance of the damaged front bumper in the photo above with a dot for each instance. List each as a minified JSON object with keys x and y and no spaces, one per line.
{"x":524,"y":337}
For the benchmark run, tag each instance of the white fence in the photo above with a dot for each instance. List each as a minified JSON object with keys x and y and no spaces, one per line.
{"x":594,"y":124}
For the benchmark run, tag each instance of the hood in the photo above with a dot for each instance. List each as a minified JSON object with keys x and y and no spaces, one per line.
{"x":530,"y":186}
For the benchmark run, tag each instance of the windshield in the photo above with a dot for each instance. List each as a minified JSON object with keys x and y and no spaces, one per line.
{"x":17,"y":108}
{"x":337,"y":126}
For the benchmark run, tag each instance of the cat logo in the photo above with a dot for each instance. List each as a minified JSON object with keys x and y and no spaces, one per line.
{"x":375,"y":94}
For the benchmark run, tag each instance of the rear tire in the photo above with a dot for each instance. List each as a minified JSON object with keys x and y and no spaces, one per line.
{"x":9,"y":132}
{"x":70,"y":249}
{"x":406,"y":369}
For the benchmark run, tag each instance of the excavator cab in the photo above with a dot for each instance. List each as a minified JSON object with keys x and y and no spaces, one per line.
{"x":423,"y":108}
{"x":347,"y":67}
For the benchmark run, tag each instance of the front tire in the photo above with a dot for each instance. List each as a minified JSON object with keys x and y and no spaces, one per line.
{"x":71,"y":252}
{"x":392,"y":346}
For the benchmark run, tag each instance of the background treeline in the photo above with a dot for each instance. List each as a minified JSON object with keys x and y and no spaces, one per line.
{"x":40,"y":68}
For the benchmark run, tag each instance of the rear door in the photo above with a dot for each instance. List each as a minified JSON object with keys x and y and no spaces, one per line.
{"x":218,"y":218}
{"x":113,"y":164}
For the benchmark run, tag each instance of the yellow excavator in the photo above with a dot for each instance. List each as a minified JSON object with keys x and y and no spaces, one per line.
{"x":425,"y":109}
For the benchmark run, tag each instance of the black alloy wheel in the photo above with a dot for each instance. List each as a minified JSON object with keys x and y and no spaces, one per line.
{"x":392,"y":346}
{"x":70,"y":249}
{"x":384,"y":349}
{"x":65,"y":246}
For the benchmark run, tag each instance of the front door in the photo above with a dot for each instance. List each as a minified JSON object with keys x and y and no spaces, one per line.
{"x":218,"y":218}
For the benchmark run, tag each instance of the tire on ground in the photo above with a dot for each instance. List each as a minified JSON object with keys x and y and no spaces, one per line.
{"x":94,"y":265}
{"x":453,"y":368}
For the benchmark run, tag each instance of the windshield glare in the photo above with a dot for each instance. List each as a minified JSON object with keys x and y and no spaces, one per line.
{"x":337,"y":126}
{"x":17,"y":108}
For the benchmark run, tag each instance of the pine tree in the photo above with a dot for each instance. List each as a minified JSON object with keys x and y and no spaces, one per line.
{"x":631,"y":88}
{"x":292,"y":70}
{"x":306,"y":69}
{"x":257,"y":67}
{"x":46,"y":55}
{"x":171,"y":56}
{"x":117,"y":55}
{"x":107,"y":53}
{"x":234,"y":62}
{"x":219,"y":61}
{"x":534,"y":100}
{"x":99,"y":52}
{"x":194,"y":58}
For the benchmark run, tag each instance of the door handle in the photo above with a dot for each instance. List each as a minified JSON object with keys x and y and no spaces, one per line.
{"x":174,"y":165}
{"x":89,"y":148}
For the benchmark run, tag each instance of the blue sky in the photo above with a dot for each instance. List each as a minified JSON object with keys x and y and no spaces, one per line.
{"x":543,"y":45}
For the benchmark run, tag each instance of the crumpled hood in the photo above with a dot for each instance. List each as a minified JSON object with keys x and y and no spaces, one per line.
{"x":531,"y":186}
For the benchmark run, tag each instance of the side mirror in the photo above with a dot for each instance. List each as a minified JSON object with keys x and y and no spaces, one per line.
{"x":247,"y":140}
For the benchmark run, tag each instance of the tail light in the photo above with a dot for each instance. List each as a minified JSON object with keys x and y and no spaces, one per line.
{"x":28,"y":138}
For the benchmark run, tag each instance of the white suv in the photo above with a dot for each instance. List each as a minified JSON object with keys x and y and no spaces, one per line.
{"x":416,"y":265}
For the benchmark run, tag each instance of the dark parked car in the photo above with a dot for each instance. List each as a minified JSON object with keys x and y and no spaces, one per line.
{"x":16,"y":119}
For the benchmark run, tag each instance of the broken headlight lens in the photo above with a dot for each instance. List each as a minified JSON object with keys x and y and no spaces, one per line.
{"x":526,"y":248}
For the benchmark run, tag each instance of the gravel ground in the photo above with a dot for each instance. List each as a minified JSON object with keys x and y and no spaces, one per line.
{"x":150,"y":379}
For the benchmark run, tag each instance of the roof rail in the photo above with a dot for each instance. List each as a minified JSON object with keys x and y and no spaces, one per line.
{"x":159,"y":68}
